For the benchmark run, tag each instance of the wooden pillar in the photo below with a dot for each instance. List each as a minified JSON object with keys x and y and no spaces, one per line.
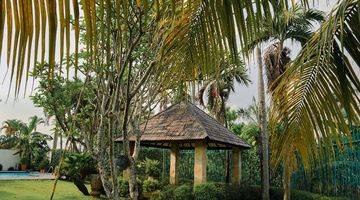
{"x":236,"y":160}
{"x":200,"y":163}
{"x":174,"y":164}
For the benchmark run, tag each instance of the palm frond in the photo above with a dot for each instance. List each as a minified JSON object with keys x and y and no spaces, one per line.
{"x":317,"y":98}
{"x":220,"y":25}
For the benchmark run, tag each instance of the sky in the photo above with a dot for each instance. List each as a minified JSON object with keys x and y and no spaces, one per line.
{"x":23,"y":108}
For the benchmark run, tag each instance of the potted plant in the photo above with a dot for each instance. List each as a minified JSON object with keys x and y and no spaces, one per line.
{"x":44,"y":165}
{"x":23,"y":164}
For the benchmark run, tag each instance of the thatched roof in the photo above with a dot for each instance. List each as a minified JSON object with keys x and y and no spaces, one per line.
{"x":184,"y":123}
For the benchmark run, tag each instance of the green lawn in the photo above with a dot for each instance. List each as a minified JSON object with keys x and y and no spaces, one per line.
{"x":38,"y":190}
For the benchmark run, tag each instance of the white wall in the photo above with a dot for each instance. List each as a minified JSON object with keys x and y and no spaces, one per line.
{"x":8,"y":159}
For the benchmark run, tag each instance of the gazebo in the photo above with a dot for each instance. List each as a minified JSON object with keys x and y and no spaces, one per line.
{"x":185,"y":126}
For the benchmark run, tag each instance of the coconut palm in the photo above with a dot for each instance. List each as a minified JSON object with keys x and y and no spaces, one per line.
{"x":218,"y":88}
{"x":25,"y":138}
{"x":295,"y":23}
{"x":218,"y":91}
{"x":317,"y":87}
{"x":199,"y":33}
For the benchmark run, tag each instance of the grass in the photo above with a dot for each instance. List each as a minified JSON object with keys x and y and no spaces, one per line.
{"x":38,"y":190}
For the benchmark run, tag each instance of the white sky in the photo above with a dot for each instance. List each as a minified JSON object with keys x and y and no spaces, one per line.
{"x":23,"y":108}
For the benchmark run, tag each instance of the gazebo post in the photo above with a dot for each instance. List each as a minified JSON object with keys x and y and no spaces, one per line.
{"x":200,"y":163}
{"x":236,"y":160}
{"x":174,"y":164}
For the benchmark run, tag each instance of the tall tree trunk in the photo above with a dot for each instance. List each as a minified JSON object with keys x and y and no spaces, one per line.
{"x":227,"y":165}
{"x":133,"y":186}
{"x":193,"y":93}
{"x":287,"y":174}
{"x":54,"y":146}
{"x":263,"y":133}
{"x":61,"y":141}
{"x":105,"y":161}
{"x":286,"y":179}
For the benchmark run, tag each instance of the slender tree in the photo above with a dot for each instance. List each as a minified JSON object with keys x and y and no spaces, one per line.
{"x":316,"y":88}
{"x":295,"y":24}
{"x":264,"y":139}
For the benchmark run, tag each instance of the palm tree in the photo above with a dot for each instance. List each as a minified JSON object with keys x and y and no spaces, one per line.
{"x":219,"y":88}
{"x":28,"y":141}
{"x":264,"y":141}
{"x":218,"y":91}
{"x":295,"y":24}
{"x":198,"y":33}
{"x":316,"y":88}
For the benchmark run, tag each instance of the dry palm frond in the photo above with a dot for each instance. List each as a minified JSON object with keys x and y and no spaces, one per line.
{"x":275,"y":66}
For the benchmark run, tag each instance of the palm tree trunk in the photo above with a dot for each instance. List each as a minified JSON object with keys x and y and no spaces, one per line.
{"x":193,"y":93}
{"x":61,"y":142}
{"x":286,"y":180}
{"x":263,"y":134}
{"x":227,"y":166}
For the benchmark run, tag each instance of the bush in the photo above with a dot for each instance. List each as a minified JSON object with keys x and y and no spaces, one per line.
{"x":44,"y":164}
{"x":1,"y":167}
{"x":11,"y":169}
{"x":150,"y":185}
{"x":167,"y":193}
{"x":212,"y":191}
{"x":254,"y":193}
{"x":151,"y":167}
{"x":77,"y":165}
{"x":206,"y":191}
{"x":183,"y":192}
{"x":123,"y":187}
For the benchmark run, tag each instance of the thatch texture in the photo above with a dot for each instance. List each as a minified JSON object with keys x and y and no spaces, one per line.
{"x":185,"y":124}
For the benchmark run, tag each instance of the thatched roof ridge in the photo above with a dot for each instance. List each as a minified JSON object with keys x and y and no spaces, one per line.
{"x":184,"y":123}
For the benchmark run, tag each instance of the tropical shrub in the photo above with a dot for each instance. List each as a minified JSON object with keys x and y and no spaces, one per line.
{"x":254,"y":193}
{"x":24,"y":161}
{"x":167,"y":193}
{"x":212,"y":191}
{"x":29,"y":143}
{"x":150,"y":185}
{"x":123,"y":187}
{"x":206,"y":191}
{"x":77,"y":165}
{"x":184,"y":192}
{"x":151,"y":167}
{"x":40,"y":160}
{"x":7,"y":141}
{"x":44,"y":164}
